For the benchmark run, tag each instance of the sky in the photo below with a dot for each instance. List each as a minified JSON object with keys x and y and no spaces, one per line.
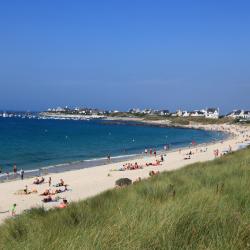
{"x":118,"y":54}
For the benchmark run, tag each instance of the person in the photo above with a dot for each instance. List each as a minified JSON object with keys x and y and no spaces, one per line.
{"x":47,"y":199}
{"x":162,"y":159}
{"x":36,"y":181}
{"x":151,"y":173}
{"x":63,"y":204}
{"x":165,"y":147}
{"x":58,"y":191}
{"x":0,"y":170}
{"x":26,"y":189}
{"x":42,"y":180}
{"x":146,"y":151}
{"x":46,"y":192}
{"x":14,"y":169}
{"x":109,"y":157}
{"x":155,"y":153}
{"x":49,"y":181}
{"x":60,"y":184}
{"x":22,"y":173}
{"x":13,"y":209}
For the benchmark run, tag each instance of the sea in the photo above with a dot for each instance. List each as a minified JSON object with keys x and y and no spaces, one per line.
{"x":36,"y":145}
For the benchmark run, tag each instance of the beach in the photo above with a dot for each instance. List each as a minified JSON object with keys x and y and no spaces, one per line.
{"x":85,"y":183}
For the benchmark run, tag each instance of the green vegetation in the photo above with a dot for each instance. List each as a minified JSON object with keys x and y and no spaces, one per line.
{"x":174,"y":120}
{"x":200,"y":120}
{"x":203,"y":206}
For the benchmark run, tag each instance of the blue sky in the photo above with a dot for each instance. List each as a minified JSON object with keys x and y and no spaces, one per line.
{"x":125,"y":53}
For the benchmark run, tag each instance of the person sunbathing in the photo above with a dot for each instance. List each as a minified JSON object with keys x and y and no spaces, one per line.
{"x":136,"y":166}
{"x":37,"y":181}
{"x":47,"y":199}
{"x":63,"y":204}
{"x":50,"y":199}
{"x":152,"y":173}
{"x":60,"y":184}
{"x":157,"y":163}
{"x":25,"y":192}
{"x":187,"y":158}
{"x":58,"y":191}
{"x":46,"y":192}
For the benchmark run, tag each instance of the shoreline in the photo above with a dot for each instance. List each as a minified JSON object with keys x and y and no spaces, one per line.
{"x":99,"y":161}
{"x":87,"y":182}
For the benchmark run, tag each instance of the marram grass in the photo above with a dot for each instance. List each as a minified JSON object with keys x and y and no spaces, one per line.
{"x":203,"y":206}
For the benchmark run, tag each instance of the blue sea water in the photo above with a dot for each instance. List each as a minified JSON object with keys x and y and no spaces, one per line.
{"x":33,"y":143}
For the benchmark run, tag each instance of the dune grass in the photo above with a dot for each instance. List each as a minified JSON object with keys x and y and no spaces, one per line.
{"x":203,"y":206}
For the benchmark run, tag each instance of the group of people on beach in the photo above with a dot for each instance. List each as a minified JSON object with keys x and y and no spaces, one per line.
{"x":48,"y":193}
{"x":154,"y":152}
{"x":135,"y":166}
{"x":15,"y":172}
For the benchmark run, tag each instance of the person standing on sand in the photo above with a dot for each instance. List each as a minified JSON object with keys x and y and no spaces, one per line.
{"x":49,"y":181}
{"x":109,"y":157}
{"x":15,"y":169}
{"x":146,"y":151}
{"x":13,"y":210}
{"x":22,"y":173}
{"x":155,"y":153}
{"x":162,"y":158}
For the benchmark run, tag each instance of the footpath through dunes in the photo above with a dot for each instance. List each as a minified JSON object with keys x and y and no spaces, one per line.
{"x":203,"y":206}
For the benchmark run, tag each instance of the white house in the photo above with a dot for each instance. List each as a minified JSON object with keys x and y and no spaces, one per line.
{"x":246,"y":115}
{"x":236,"y":114}
{"x":134,"y":111}
{"x":164,"y":112}
{"x":181,"y":113}
{"x":59,"y":109}
{"x":198,"y":113}
{"x":212,"y":113}
{"x":185,"y":113}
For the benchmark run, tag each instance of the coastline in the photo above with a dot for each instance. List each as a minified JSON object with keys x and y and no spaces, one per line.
{"x":88,"y":182}
{"x":102,"y":160}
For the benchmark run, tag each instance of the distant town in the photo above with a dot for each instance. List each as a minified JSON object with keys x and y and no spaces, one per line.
{"x":91,"y":113}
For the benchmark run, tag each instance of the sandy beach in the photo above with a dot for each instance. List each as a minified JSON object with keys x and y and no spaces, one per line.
{"x":88,"y":182}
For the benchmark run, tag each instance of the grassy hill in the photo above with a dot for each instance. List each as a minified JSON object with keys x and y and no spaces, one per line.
{"x":175,"y":120}
{"x":203,"y":206}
